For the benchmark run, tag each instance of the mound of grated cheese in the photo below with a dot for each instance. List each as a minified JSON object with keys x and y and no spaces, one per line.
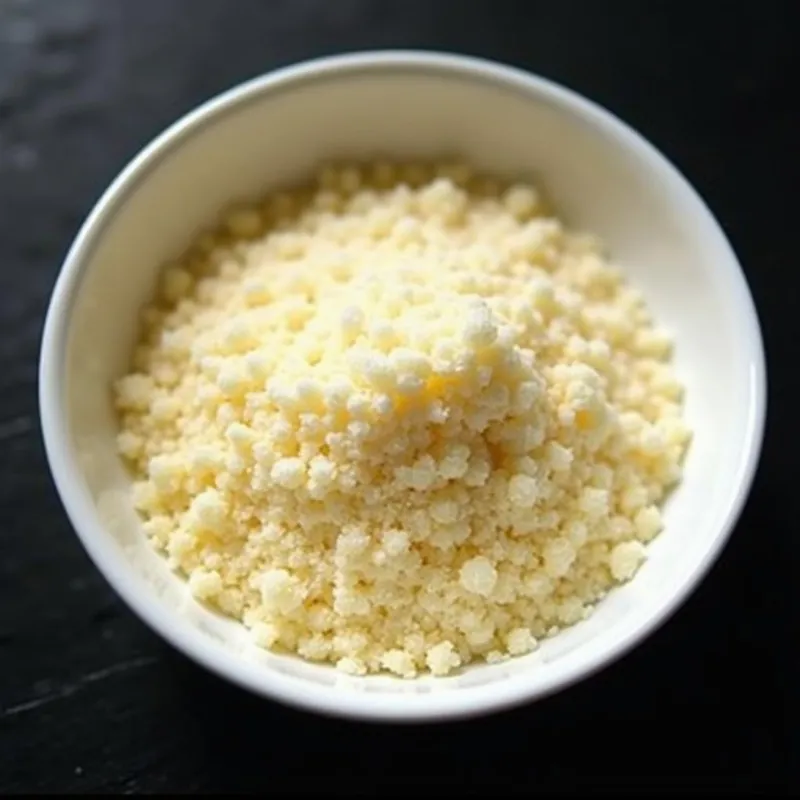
{"x":401,"y":420}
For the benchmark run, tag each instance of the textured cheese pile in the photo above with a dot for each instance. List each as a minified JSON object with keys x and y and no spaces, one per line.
{"x":400,"y":421}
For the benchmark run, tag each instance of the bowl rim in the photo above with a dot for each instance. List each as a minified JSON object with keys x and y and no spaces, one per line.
{"x":110,"y":560}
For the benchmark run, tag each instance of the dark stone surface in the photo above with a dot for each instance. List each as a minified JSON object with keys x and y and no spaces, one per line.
{"x":90,"y":700}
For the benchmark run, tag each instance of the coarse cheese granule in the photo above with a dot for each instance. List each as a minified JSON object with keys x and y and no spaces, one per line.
{"x":400,"y":420}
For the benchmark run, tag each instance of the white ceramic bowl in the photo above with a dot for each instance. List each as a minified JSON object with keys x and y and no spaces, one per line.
{"x":602,"y":176}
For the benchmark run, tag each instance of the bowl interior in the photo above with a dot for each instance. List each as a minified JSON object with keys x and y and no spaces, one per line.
{"x":601,"y":178}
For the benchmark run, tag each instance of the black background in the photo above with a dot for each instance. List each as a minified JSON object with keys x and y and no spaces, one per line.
{"x":92,"y":700}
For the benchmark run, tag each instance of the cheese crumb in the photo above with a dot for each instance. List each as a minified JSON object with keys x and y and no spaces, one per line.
{"x":442,"y":658}
{"x":281,"y":591}
{"x":400,"y":663}
{"x":626,"y":558}
{"x":521,"y":641}
{"x":205,"y":584}
{"x":478,"y":576}
{"x":400,"y":421}
{"x":351,"y":666}
{"x":522,"y":491}
{"x":289,"y":473}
